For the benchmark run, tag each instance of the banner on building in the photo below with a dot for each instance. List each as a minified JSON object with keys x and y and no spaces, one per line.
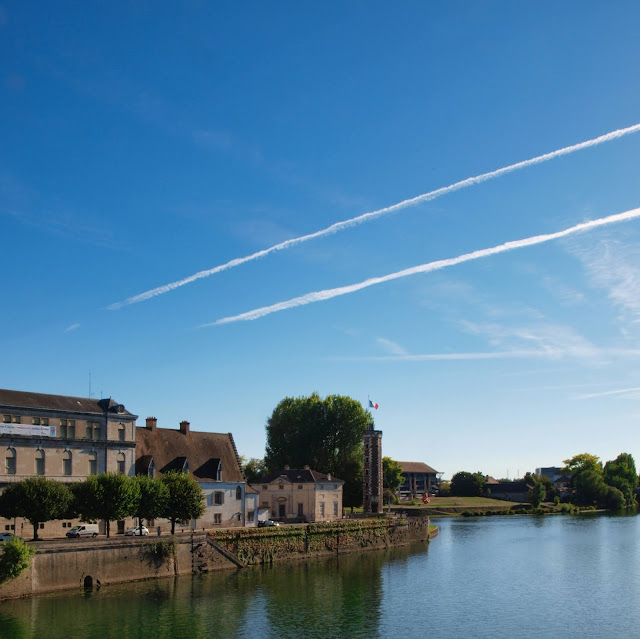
{"x":26,"y":429}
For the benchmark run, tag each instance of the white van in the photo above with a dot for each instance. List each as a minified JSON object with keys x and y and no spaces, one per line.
{"x":83,"y":530}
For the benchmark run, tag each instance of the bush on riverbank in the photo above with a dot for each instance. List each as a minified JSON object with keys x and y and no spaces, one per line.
{"x":16,"y":558}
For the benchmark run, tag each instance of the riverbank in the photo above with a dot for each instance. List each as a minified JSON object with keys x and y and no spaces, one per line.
{"x":93,"y":563}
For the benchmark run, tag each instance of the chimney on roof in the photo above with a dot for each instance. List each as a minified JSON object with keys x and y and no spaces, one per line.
{"x":287,"y":467}
{"x":152,"y":422}
{"x":306,"y":467}
{"x":184,"y":427}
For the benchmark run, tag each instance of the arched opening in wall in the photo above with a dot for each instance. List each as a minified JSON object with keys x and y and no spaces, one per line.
{"x":88,"y":582}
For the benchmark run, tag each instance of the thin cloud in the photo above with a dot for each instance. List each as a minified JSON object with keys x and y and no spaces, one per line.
{"x":73,"y":327}
{"x":429,"y":267}
{"x":392,"y":347}
{"x":367,"y":217}
{"x":622,"y":391}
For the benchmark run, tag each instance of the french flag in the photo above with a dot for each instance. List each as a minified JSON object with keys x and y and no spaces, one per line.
{"x":372,"y":405}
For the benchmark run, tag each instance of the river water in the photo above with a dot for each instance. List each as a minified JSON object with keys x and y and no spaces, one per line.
{"x":493,"y":577}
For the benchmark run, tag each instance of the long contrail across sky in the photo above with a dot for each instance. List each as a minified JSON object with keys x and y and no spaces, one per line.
{"x":367,"y":217}
{"x":330,"y":293}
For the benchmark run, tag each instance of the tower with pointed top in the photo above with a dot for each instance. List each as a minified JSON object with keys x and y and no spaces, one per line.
{"x":372,"y":471}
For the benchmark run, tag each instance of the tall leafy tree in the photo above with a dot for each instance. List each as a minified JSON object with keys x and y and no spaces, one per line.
{"x":253,"y":468}
{"x":581,"y":463}
{"x":621,"y":473}
{"x":325,"y":434}
{"x":153,"y":497}
{"x":465,"y":484}
{"x":185,"y":498}
{"x":87,"y":496}
{"x":537,"y":494}
{"x":37,"y":499}
{"x":391,"y":474}
{"x":119,"y":497}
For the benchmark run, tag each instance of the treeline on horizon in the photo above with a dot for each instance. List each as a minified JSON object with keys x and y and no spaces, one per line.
{"x":589,"y":483}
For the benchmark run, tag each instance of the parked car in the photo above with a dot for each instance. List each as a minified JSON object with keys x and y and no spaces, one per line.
{"x":137,"y":531}
{"x":8,"y":537}
{"x":268,"y":522}
{"x":83,"y":530}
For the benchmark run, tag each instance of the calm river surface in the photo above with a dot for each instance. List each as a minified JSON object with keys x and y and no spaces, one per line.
{"x":495,"y":577}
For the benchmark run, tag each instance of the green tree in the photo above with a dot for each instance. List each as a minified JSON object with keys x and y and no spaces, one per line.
{"x":37,"y":499}
{"x":392,"y":477}
{"x":185,"y":498}
{"x":153,"y":497}
{"x":464,"y":484}
{"x":325,"y":434}
{"x":537,"y":494}
{"x":87,"y":496}
{"x":621,"y":474}
{"x":253,"y":468}
{"x":119,"y":497}
{"x":581,"y":463}
{"x":16,"y":557}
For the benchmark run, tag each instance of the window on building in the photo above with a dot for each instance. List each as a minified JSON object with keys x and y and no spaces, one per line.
{"x":265,"y":504}
{"x":10,"y":461}
{"x":44,"y":421}
{"x":300,"y":510}
{"x":121,"y":432}
{"x":39,"y":461}
{"x":66,"y":462}
{"x":96,"y":431}
{"x":36,"y":421}
{"x":265,"y":488}
{"x":281,"y":486}
{"x":17,"y":419}
{"x":152,"y":469}
{"x":89,"y":430}
{"x":335,"y":508}
{"x":217,"y":518}
{"x":63,"y":428}
{"x":7,"y":419}
{"x":219,"y":472}
{"x":218,"y":497}
{"x":239,"y":492}
{"x":321,"y":509}
{"x":299,"y":486}
{"x":72,"y":429}
{"x":250,"y":515}
{"x":120,"y":462}
{"x":93,"y":464}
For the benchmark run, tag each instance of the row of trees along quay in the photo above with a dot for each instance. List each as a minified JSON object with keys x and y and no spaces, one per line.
{"x":109,"y":496}
{"x":590,"y":483}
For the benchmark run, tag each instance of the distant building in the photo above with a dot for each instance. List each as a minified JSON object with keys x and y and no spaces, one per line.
{"x":303,"y":495}
{"x":508,"y":490}
{"x":63,"y":438}
{"x":559,"y":480}
{"x":212,"y":459}
{"x":372,"y":471}
{"x":419,"y":479}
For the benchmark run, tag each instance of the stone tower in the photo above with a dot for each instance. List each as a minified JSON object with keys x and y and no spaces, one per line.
{"x":372,"y":472}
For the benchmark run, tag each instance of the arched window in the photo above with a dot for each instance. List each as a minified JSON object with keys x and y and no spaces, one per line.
{"x":39,"y":461}
{"x":120,"y":462}
{"x":93,"y":464}
{"x":10,"y":461}
{"x":66,"y":462}
{"x":239,"y":492}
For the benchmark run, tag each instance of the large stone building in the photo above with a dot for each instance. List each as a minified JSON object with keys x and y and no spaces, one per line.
{"x":303,"y":495}
{"x":212,"y":459}
{"x":62,"y":438}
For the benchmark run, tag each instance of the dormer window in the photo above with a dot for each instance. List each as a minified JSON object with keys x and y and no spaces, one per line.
{"x":185,"y":468}
{"x":151,"y":471}
{"x":219,"y":472}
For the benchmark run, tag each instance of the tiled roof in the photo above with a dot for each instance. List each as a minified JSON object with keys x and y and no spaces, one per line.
{"x":169,"y":449}
{"x":42,"y":401}
{"x":416,"y":467}
{"x":297,"y":476}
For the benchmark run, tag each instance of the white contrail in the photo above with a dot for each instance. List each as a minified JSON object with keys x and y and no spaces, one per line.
{"x":366,"y":217}
{"x":327,"y":294}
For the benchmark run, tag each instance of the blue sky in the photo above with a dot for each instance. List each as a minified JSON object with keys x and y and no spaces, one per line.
{"x":142,"y":144}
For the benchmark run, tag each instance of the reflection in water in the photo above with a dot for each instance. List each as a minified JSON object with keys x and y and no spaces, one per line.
{"x":486,"y":578}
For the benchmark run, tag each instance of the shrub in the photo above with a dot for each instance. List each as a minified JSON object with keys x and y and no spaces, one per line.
{"x":16,"y":557}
